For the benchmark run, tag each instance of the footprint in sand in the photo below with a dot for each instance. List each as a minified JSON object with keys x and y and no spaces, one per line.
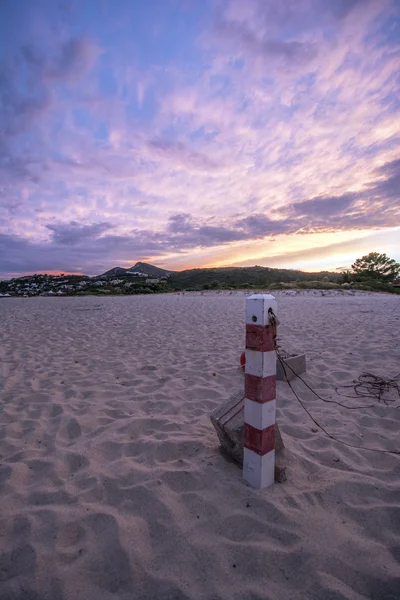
{"x":148,"y":368}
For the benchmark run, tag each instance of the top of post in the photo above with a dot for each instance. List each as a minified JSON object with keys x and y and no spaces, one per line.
{"x":257,"y":307}
{"x":261,"y":297}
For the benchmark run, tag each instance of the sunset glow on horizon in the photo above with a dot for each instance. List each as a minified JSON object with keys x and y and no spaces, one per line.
{"x":198,"y":133}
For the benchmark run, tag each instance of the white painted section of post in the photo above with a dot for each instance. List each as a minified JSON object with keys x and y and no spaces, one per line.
{"x":259,"y":471}
{"x":257,"y":305}
{"x":260,"y":364}
{"x":259,"y":415}
{"x":258,"y":468}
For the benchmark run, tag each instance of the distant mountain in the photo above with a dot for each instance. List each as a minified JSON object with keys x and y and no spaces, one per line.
{"x":115,"y":272}
{"x":150,"y":270}
{"x":139,"y":267}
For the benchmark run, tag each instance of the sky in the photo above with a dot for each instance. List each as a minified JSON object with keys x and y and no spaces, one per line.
{"x":194,"y":133}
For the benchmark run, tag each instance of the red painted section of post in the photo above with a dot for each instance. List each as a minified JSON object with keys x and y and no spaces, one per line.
{"x":260,"y":389}
{"x":260,"y":441}
{"x":260,"y":338}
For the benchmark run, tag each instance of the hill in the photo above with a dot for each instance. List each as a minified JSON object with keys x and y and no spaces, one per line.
{"x":139,"y":267}
{"x":143,"y":278}
{"x":242,"y":277}
{"x":221,"y":277}
{"x":115,"y":272}
{"x":150,"y":270}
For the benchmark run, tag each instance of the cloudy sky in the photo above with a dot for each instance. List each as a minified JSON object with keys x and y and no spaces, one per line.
{"x":194,"y":133}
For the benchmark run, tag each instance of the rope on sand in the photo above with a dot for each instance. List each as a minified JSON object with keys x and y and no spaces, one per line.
{"x":372,"y":385}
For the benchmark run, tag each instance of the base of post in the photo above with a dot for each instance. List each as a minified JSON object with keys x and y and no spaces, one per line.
{"x":259,"y":471}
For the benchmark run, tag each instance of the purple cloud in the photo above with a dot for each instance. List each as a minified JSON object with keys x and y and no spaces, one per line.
{"x":182,"y":155}
{"x":76,"y":55}
{"x":322,"y":208}
{"x":73,"y":233}
{"x":240,"y":37}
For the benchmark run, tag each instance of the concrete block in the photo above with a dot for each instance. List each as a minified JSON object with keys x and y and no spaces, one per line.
{"x":229,"y":423}
{"x":295,"y":364}
{"x":280,"y":466}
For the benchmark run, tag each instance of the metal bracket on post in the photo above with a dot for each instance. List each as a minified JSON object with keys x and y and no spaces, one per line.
{"x":260,"y":392}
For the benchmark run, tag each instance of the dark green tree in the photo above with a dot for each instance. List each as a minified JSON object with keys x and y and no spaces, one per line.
{"x":378,"y":267}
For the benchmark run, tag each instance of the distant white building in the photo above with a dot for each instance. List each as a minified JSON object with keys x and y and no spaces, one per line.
{"x":136,"y":274}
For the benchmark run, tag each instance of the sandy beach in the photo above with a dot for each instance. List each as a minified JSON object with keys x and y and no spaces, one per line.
{"x":112,"y":484}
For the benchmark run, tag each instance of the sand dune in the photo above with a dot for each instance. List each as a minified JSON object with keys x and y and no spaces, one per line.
{"x":112,"y":485}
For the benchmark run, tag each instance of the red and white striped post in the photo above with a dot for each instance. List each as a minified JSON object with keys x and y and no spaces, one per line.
{"x":259,"y":392}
